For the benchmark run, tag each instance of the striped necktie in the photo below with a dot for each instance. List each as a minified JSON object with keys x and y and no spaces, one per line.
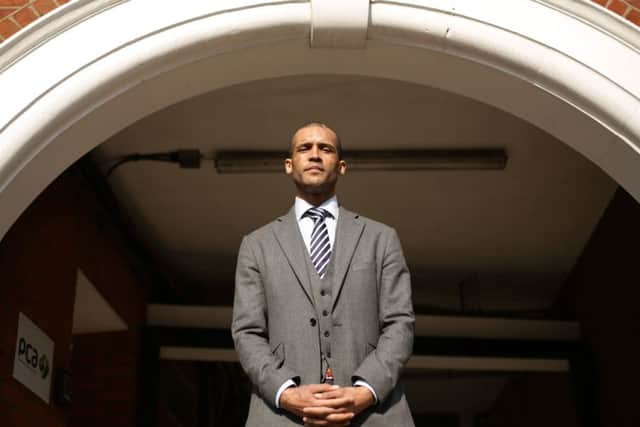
{"x":320,"y":247}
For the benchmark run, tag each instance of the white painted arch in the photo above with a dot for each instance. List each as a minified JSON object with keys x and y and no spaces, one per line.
{"x":565,"y":66}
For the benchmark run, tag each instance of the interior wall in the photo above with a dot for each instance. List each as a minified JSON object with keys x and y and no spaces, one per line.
{"x":535,"y":400}
{"x":39,"y":257}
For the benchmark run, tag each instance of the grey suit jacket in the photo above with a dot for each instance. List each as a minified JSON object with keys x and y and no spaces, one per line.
{"x":372,"y":316}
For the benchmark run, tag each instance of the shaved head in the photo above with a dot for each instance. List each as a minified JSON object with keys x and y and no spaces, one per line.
{"x":318,"y":124}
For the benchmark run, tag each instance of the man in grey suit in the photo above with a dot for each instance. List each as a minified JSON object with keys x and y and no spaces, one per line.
{"x":322,"y":315}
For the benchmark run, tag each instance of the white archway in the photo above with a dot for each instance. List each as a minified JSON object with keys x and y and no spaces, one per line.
{"x":540,"y":60}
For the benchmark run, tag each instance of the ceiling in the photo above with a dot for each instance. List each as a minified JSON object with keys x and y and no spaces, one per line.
{"x":507,"y":238}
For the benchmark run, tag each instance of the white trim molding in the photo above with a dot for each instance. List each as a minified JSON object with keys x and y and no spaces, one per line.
{"x":491,"y":328}
{"x":82,"y":74}
{"x":339,"y":23}
{"x":444,"y":363}
{"x":49,"y":26}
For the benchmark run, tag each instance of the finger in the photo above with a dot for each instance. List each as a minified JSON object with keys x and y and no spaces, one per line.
{"x":340,"y":402}
{"x":313,"y":422}
{"x":319,"y":388}
{"x":331,"y":403}
{"x":331,"y":394}
{"x":310,"y":421}
{"x":340,"y":418}
{"x":321,"y":411}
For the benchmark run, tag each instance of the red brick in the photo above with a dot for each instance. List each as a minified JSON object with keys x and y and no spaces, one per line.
{"x":25,"y":16}
{"x":618,"y":6}
{"x":634,"y":16}
{"x":7,"y":28}
{"x":6,"y":12}
{"x":635,"y":3}
{"x":600,"y":2}
{"x":13,"y":2}
{"x":44,"y":6}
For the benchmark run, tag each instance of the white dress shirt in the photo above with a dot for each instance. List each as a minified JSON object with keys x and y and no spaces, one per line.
{"x":306,"y":227}
{"x":306,"y":223}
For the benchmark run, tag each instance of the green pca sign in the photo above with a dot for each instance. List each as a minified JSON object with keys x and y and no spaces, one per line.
{"x":34,"y":354}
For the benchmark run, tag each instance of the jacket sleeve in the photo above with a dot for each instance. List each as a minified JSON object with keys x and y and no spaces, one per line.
{"x":382,"y":366}
{"x":249,"y":328}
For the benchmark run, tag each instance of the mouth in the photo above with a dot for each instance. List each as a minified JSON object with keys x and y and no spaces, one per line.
{"x":314,"y":168}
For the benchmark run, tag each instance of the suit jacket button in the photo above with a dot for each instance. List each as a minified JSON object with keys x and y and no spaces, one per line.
{"x":325,"y":313}
{"x":326,"y":334}
{"x":329,"y":354}
{"x":323,"y":292}
{"x":312,"y":321}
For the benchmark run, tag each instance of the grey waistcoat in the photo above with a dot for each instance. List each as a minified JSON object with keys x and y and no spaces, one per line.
{"x":322,"y":298}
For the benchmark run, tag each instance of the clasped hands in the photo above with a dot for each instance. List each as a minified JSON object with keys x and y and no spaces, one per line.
{"x":325,"y":404}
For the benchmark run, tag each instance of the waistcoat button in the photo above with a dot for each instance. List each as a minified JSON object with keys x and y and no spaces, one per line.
{"x":312,"y":321}
{"x":326,"y":334}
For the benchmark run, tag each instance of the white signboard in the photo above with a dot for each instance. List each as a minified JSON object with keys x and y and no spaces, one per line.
{"x":34,"y":356}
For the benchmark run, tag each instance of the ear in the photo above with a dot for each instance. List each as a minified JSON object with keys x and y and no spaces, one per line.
{"x":288,"y":166}
{"x":342,"y":167}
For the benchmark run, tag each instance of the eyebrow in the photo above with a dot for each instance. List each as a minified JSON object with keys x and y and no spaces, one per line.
{"x":316,"y":142}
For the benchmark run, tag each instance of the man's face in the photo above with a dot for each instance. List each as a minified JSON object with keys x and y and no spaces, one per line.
{"x":314,"y":164}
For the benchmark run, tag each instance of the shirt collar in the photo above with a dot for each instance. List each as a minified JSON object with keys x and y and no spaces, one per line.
{"x":331,"y":205}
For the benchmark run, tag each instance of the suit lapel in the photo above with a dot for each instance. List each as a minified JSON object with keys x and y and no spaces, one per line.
{"x":288,"y":236}
{"x":348,"y":235}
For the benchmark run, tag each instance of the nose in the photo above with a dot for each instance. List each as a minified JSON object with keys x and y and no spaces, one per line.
{"x":315,"y":152}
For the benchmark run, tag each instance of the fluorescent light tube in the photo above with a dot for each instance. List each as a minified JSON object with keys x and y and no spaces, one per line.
{"x":379,"y":160}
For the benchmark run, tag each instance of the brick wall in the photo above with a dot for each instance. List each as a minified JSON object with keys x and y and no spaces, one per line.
{"x":39,"y":258}
{"x":629,"y":9}
{"x":105,"y":379}
{"x":17,"y":14}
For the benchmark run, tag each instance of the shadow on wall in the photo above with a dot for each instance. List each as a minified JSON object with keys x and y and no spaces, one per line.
{"x":202,"y":394}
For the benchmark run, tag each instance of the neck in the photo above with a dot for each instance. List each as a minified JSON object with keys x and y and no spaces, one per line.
{"x":315,"y":199}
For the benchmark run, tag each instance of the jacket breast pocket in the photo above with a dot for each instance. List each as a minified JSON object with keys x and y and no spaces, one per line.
{"x":278,"y":353}
{"x":364,"y":276}
{"x":363,"y":266}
